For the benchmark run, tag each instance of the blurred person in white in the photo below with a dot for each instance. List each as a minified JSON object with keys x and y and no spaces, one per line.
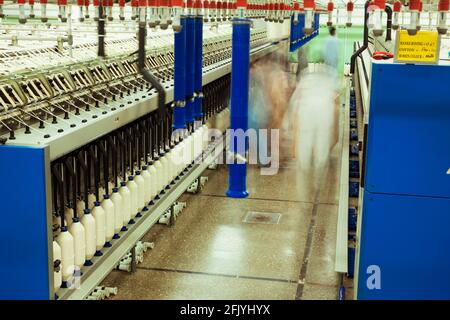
{"x":271,"y":87}
{"x":331,"y":60}
{"x":331,"y":51}
{"x":317,"y":113}
{"x":317,"y":123}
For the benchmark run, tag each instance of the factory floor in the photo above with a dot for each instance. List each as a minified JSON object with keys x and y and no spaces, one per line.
{"x":212,"y":253}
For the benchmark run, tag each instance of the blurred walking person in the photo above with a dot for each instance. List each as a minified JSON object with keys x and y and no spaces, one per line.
{"x":331,"y":51}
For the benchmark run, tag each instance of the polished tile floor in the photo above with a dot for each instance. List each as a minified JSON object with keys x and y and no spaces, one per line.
{"x":211,"y":253}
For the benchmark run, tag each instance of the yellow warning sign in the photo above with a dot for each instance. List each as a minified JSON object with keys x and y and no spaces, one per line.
{"x":420,"y":48}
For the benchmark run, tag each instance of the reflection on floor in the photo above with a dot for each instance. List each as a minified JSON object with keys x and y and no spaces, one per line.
{"x":211,"y":253}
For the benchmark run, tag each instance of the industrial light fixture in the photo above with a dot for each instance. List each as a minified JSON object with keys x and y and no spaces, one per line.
{"x":397,"y":6}
{"x":296,"y":12}
{"x":177,"y":9}
{"x":22,"y":18}
{"x":309,"y":7}
{"x":330,"y":8}
{"x":2,"y":15}
{"x":443,"y":8}
{"x":350,"y":7}
{"x":414,"y":8}
{"x":380,"y":5}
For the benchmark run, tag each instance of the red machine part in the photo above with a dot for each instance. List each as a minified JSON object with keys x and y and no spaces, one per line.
{"x":213,"y":10}
{"x":241,"y":3}
{"x":43,"y":10}
{"x":134,"y":7}
{"x":62,"y":4}
{"x":109,"y":9}
{"x":22,"y":18}
{"x":165,"y":14}
{"x":380,"y":4}
{"x":382,"y":55}
{"x":330,"y":6}
{"x":350,"y":6}
{"x":415,"y":5}
{"x":218,"y":10}
{"x":443,"y":8}
{"x":396,"y":8}
{"x":2,"y":15}
{"x":122,"y":10}
{"x":31,"y":3}
{"x":197,"y":5}
{"x":206,"y":10}
{"x":444,"y":5}
{"x":309,"y":4}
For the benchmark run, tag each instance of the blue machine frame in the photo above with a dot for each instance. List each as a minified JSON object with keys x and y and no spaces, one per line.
{"x":404,"y":229}
{"x":298,"y":38}
{"x":26,"y":222}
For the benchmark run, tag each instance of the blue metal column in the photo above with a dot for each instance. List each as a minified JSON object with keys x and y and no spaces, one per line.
{"x":179,"y":120}
{"x":292,"y":39}
{"x":240,"y":63}
{"x":198,"y":68}
{"x":300,"y":34}
{"x":190,"y":52}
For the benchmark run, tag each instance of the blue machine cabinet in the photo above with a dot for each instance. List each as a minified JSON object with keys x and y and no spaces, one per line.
{"x":25,"y":208}
{"x":404,"y":234}
{"x":297,"y":37}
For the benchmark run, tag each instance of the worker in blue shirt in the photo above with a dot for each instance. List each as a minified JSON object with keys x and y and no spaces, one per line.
{"x":331,"y":51}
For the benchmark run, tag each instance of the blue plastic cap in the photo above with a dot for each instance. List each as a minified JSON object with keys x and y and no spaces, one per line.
{"x":106,"y":196}
{"x":87,"y":211}
{"x":64,"y":229}
{"x":130,"y":178}
{"x":115,"y":189}
{"x":97,"y":204}
{"x":123,"y":184}
{"x":76,"y":219}
{"x":138,"y":172}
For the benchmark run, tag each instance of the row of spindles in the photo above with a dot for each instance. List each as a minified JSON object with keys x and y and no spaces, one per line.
{"x":162,"y":12}
{"x":101,"y":190}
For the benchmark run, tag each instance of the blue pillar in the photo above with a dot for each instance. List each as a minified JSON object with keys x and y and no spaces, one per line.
{"x":292,"y":35}
{"x":190,"y":50}
{"x":198,"y":67}
{"x":179,"y":94}
{"x":240,"y":63}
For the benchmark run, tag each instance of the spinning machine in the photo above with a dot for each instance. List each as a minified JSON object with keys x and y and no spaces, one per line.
{"x":104,"y":114}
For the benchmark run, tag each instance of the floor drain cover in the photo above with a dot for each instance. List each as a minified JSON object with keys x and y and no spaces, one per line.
{"x":262,"y":217}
